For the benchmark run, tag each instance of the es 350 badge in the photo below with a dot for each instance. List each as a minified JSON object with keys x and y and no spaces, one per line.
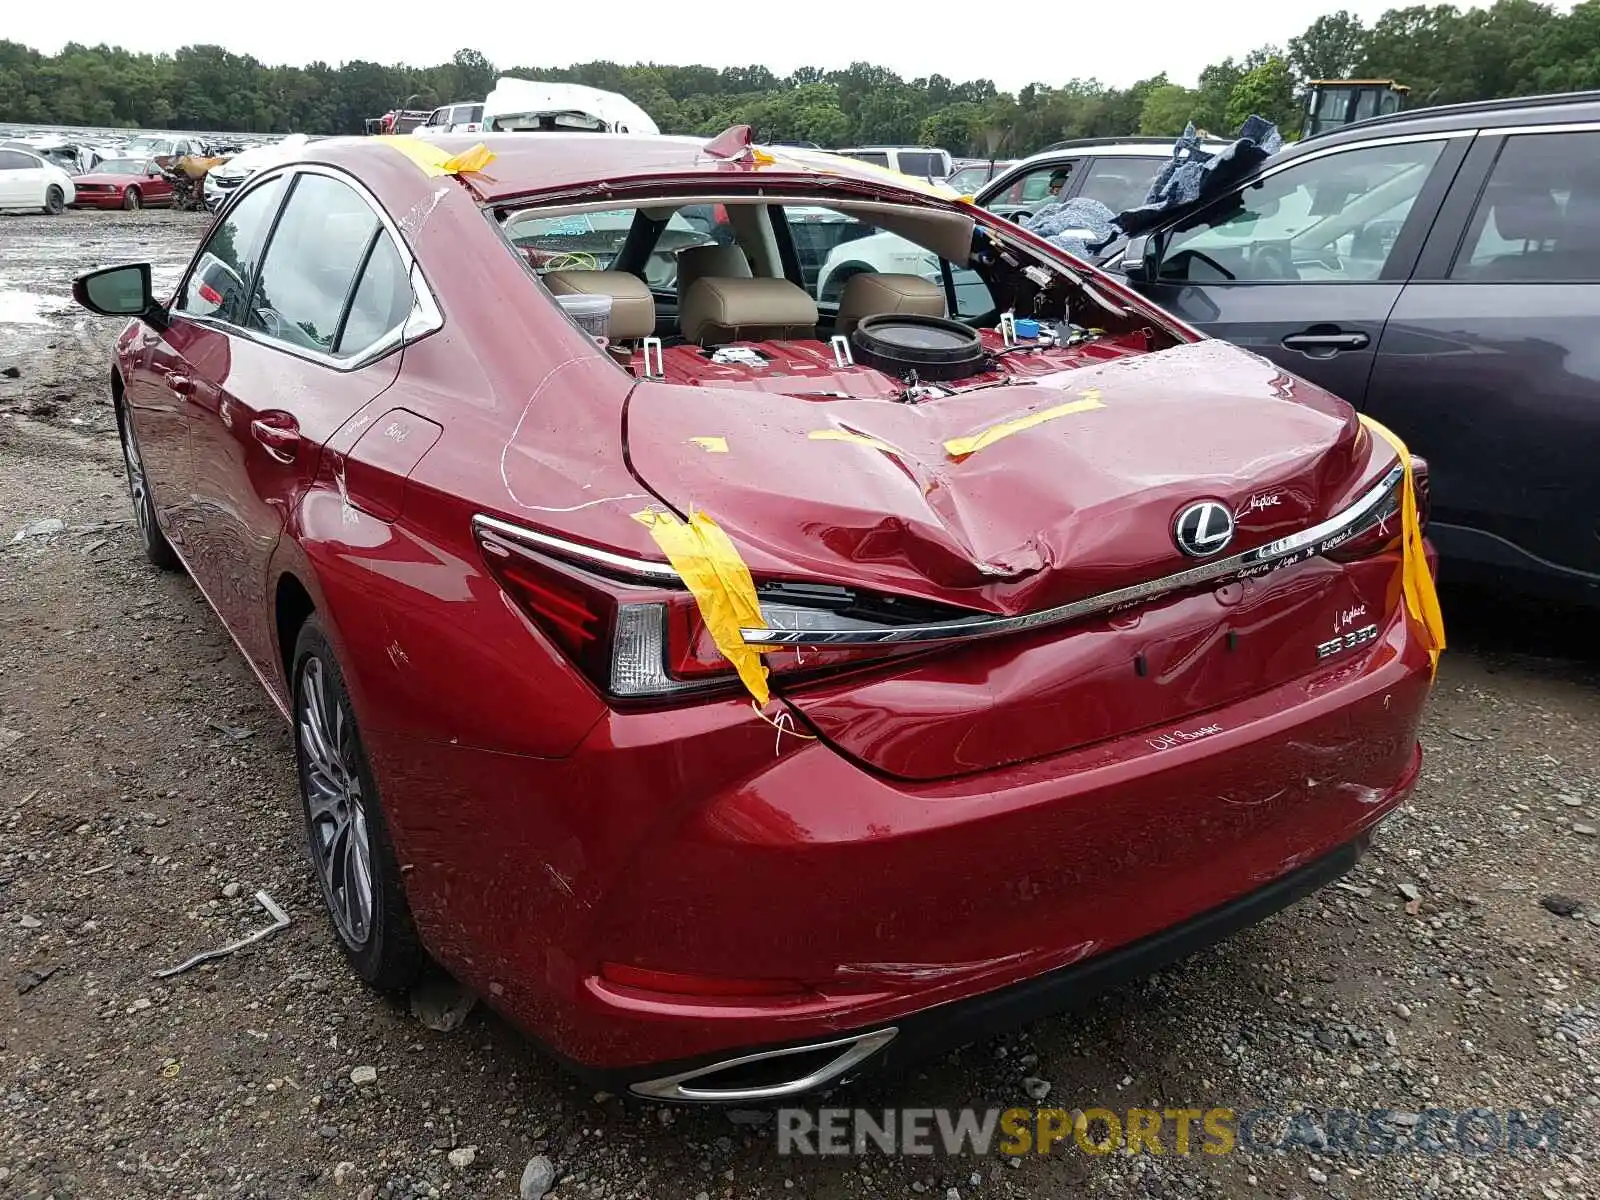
{"x":1347,"y":641}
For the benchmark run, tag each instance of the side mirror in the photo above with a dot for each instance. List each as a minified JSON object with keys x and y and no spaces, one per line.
{"x":119,"y":292}
{"x":1140,"y":259}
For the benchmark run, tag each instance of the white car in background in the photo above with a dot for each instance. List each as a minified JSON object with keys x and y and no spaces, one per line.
{"x":28,"y":181}
{"x":463,"y":117}
{"x":223,"y":181}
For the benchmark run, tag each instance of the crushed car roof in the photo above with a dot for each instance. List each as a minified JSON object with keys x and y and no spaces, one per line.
{"x":527,"y":163}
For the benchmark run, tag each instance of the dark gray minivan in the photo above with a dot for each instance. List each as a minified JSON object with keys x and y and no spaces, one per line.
{"x":1440,"y":270}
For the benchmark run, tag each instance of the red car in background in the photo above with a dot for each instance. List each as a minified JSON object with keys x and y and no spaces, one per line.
{"x":738,"y":690}
{"x":123,"y":183}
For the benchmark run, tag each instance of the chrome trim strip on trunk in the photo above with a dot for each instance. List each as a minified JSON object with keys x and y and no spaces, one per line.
{"x":1308,"y":543}
{"x":852,"y":1050}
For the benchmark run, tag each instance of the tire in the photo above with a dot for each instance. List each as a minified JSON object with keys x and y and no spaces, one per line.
{"x":131,"y":199}
{"x":55,"y":200}
{"x":346,"y":835}
{"x":156,"y":547}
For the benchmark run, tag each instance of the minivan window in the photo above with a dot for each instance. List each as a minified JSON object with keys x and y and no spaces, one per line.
{"x":876,"y":157}
{"x":1334,"y":218}
{"x":311,"y":264}
{"x":216,"y":285}
{"x":1538,"y":218}
{"x":920,"y":162}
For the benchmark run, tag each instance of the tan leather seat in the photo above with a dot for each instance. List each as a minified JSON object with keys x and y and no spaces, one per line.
{"x":633,"y":309}
{"x":710,"y":262}
{"x":871,"y":295}
{"x":715,"y":311}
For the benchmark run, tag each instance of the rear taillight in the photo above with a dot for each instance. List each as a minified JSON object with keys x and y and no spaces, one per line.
{"x":1384,"y":532}
{"x":637,"y":634}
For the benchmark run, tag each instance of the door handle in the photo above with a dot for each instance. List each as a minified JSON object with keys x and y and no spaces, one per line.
{"x":279,"y":433}
{"x":1325,"y":342}
{"x":180,"y":384}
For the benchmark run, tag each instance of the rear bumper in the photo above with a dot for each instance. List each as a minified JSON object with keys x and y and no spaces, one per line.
{"x":949,"y":1026}
{"x":699,"y":842}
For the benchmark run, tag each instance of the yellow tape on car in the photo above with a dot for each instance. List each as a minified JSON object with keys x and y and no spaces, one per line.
{"x":435,"y":161}
{"x":1421,"y":596}
{"x":844,"y":435}
{"x":721,"y":585}
{"x":963,"y":446}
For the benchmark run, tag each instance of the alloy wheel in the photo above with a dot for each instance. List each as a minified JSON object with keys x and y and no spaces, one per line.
{"x":138,"y":487}
{"x":335,"y":812}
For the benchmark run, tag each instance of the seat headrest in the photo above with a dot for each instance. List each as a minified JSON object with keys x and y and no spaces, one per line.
{"x":715,"y":311}
{"x":633,"y":308}
{"x":1521,"y":215}
{"x":871,"y":295}
{"x":705,"y":262}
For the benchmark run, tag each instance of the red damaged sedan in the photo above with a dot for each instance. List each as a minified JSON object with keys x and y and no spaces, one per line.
{"x":739,"y":689}
{"x":123,"y":183}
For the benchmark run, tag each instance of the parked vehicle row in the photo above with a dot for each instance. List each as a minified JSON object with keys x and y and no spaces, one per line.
{"x":799,"y":666}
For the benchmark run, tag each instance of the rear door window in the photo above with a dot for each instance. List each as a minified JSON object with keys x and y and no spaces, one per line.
{"x":1538,"y":219}
{"x":876,"y":157}
{"x":1120,"y":183}
{"x":1329,"y":219}
{"x":311,"y":266}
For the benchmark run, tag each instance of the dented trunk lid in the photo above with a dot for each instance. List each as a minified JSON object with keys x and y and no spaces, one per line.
{"x":866,"y":493}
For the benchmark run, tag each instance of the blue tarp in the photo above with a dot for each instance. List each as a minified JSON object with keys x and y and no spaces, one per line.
{"x":1194,"y":173}
{"x":1074,"y":225}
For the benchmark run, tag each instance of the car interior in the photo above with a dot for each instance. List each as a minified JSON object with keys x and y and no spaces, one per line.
{"x":744,"y":306}
{"x":1537,"y":225}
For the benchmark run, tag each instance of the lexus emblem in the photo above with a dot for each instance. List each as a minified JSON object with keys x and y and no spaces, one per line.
{"x":1203,"y":529}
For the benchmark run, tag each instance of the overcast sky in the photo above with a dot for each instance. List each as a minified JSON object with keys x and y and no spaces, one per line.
{"x":1012,"y":44}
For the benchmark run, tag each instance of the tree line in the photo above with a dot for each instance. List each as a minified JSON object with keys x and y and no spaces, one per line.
{"x":1442,"y":53}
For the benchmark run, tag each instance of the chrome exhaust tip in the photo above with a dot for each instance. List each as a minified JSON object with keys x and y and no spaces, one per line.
{"x":769,"y":1074}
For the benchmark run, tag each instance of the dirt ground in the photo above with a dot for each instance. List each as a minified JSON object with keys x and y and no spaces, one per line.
{"x":146,"y":793}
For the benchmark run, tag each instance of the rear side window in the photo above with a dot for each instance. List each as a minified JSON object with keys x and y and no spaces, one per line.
{"x":1538,"y":219}
{"x":217,"y":284}
{"x":312,"y":264}
{"x":10,"y":160}
{"x":921,"y":162}
{"x":475,"y":113}
{"x":876,"y":157}
{"x":1120,"y":183}
{"x":382,"y":301}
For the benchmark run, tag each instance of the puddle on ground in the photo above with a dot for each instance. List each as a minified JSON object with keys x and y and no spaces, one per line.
{"x":28,"y":308}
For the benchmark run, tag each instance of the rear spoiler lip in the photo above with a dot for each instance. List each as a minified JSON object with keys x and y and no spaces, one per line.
{"x":1366,"y":512}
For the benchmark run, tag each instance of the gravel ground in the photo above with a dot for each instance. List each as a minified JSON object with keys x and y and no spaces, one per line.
{"x":146,"y":793}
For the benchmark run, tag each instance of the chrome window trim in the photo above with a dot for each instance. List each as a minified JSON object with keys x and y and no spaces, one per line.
{"x":1519,"y":130}
{"x":425,"y":318}
{"x":1308,"y":543}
